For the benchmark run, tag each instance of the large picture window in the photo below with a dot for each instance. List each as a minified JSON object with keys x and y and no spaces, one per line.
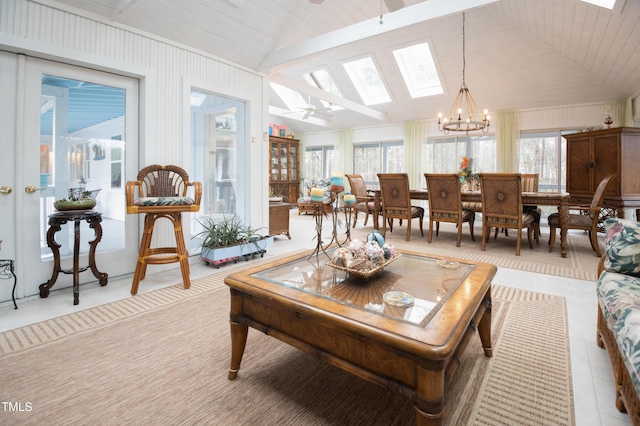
{"x":381,"y":157}
{"x":319,"y":161}
{"x":443,"y":155}
{"x":544,"y":153}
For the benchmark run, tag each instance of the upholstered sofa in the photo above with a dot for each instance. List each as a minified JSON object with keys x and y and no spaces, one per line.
{"x":618,"y":290}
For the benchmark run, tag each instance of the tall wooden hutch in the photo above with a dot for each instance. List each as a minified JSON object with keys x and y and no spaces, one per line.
{"x":593,"y":155}
{"x":284,"y":168}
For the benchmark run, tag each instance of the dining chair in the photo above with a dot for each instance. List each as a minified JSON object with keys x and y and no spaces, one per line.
{"x":445,"y":204}
{"x":587,"y":217}
{"x":501,"y":195}
{"x":161,"y":192}
{"x":396,"y":202}
{"x":364,"y":199}
{"x":530,"y":184}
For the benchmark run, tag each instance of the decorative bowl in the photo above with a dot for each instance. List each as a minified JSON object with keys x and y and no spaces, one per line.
{"x":365,"y":274}
{"x":67,"y":205}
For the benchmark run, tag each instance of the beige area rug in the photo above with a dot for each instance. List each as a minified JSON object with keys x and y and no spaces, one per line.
{"x":162,"y":358}
{"x":581,"y":261}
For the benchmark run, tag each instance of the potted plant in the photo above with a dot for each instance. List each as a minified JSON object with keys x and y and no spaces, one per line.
{"x":229,"y":239}
{"x":78,"y":200}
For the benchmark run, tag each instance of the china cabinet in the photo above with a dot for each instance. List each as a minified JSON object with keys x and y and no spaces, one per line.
{"x":593,"y":155}
{"x":284,"y":168}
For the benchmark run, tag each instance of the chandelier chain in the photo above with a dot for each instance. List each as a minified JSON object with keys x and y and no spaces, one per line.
{"x":464,"y":61}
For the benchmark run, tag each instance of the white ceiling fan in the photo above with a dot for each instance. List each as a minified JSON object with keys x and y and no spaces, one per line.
{"x":311,"y":110}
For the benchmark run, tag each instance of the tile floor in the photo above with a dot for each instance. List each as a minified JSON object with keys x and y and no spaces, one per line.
{"x":592,"y":376}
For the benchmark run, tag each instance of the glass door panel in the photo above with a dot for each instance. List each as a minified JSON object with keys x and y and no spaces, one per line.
{"x":217,"y":129}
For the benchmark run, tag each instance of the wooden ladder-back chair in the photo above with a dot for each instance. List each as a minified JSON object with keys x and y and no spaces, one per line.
{"x":586,"y":219}
{"x":162,"y":193}
{"x":445,"y":204}
{"x":364,"y":200}
{"x":502,"y":206}
{"x":396,"y":202}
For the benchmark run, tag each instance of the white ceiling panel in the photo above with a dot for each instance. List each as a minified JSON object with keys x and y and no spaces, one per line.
{"x":519,"y":53}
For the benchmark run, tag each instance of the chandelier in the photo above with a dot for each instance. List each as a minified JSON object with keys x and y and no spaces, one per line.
{"x":458,"y":120}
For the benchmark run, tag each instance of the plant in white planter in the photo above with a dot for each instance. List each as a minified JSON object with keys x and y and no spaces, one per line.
{"x":229,"y":239}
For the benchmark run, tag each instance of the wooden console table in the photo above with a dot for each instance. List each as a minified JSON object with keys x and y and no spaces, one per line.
{"x":279,"y":219}
{"x":56,"y":220}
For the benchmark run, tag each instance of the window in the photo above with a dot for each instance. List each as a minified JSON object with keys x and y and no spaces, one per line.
{"x":323,"y":80}
{"x":367,"y":80}
{"x":418,"y":70}
{"x":116,"y":167}
{"x":608,"y":4}
{"x":443,"y":155}
{"x":373,"y":158}
{"x":319,"y":161}
{"x":544,"y":153}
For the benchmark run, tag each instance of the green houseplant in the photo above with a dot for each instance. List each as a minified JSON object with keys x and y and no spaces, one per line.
{"x":229,"y":239}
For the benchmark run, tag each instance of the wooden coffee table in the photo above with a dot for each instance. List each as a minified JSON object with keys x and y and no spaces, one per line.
{"x":345,"y":321}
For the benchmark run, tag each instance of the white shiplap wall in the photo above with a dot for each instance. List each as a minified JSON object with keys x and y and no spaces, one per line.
{"x":44,"y":31}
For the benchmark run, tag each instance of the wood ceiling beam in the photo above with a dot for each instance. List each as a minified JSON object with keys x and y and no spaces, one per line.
{"x":404,"y":17}
{"x":307,"y":89}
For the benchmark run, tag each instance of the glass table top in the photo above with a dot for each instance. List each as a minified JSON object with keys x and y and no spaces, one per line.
{"x":410,"y":289}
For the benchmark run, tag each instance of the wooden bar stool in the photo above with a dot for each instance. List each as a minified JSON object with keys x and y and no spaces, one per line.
{"x":162,"y":193}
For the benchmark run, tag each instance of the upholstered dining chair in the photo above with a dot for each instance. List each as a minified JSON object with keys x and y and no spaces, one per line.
{"x":364,"y":200}
{"x":161,"y":192}
{"x":445,"y":204}
{"x":396,"y":202}
{"x":501,"y":195}
{"x":586,"y":218}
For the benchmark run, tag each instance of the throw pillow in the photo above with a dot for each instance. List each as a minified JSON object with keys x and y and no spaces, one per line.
{"x":622,"y":246}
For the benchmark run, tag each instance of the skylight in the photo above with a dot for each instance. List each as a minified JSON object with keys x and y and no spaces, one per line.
{"x":367,"y":80}
{"x":418,"y":70}
{"x":323,"y":80}
{"x":292,"y":99}
{"x":602,"y":3}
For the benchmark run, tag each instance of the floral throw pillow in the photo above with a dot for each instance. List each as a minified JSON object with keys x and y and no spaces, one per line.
{"x":622,"y":246}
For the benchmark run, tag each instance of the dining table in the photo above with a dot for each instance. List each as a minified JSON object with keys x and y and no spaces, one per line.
{"x":559,"y":199}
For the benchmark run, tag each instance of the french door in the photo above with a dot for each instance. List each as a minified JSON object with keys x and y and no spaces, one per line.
{"x":64,"y":127}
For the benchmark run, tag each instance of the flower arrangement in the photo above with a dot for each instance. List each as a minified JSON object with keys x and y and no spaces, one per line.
{"x":466,"y":173}
{"x":467,"y":177}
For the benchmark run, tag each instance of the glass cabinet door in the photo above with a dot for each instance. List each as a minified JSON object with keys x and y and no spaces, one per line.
{"x":284,"y":162}
{"x":294,"y":162}
{"x":275,"y":167}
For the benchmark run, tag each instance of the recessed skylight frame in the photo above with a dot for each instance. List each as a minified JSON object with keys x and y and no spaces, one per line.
{"x":322,"y":79}
{"x":367,"y":79}
{"x":607,"y":4}
{"x":291,"y":98}
{"x":418,"y":70}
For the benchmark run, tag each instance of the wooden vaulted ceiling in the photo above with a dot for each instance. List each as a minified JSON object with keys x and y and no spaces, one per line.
{"x":519,"y":53}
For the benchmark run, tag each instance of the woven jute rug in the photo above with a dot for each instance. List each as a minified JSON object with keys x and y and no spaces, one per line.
{"x":581,"y":261}
{"x":162,"y":358}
